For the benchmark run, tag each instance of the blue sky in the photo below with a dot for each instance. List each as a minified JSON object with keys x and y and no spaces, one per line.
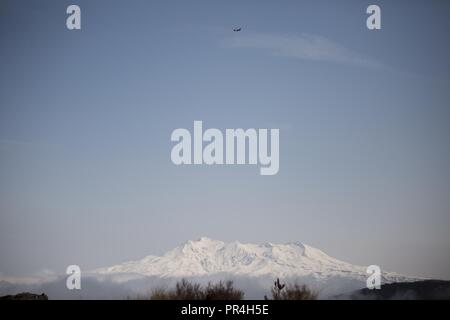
{"x":86,"y":118}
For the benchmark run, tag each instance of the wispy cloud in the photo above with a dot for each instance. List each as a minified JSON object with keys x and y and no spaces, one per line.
{"x":304,"y":46}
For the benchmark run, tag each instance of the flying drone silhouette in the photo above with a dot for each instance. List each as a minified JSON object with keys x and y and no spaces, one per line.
{"x":237,"y":29}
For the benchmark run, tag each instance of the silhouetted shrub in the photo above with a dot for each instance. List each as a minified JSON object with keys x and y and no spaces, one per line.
{"x":185,"y":290}
{"x":291,"y":292}
{"x":223,"y":291}
{"x":157,"y":294}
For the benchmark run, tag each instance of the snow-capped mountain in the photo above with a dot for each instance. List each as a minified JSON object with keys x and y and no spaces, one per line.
{"x":252,"y":267}
{"x":208,"y":257}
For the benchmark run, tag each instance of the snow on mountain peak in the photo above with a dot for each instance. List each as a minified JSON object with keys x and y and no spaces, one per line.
{"x":203,"y":243}
{"x":205,"y":257}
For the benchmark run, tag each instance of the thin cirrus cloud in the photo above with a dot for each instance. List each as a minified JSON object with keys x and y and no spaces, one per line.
{"x":304,"y":47}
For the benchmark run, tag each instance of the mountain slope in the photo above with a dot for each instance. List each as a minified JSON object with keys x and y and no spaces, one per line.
{"x":206,"y":257}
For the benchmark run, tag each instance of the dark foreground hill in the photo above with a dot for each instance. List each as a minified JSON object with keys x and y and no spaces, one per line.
{"x":25,"y":296}
{"x":417,"y":290}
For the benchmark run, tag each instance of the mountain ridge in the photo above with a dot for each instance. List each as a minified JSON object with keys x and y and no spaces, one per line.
{"x":206,"y":256}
